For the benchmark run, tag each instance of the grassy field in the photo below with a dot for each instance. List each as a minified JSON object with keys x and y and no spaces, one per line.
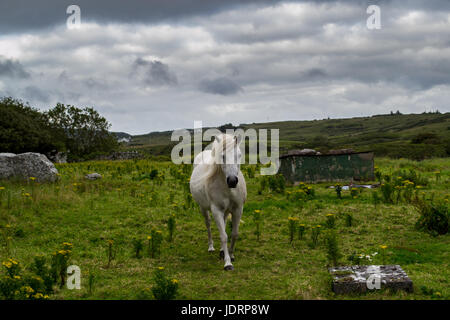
{"x":124,"y":206}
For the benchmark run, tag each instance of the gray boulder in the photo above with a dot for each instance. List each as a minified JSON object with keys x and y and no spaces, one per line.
{"x":25,"y":165}
{"x":93,"y":176}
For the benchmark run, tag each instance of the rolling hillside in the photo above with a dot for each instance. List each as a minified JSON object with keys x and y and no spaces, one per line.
{"x":415,"y":136}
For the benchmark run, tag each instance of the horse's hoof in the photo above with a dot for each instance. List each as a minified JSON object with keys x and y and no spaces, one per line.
{"x":211,"y":250}
{"x":221,"y":255}
{"x":228,"y":268}
{"x":232,"y":259}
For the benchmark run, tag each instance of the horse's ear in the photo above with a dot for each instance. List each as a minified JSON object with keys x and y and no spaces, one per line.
{"x":213,"y":150}
{"x":238,"y":139}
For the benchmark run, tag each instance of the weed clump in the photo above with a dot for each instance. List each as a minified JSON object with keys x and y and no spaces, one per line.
{"x":434,"y":217}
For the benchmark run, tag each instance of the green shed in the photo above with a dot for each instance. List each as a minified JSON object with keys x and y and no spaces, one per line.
{"x":345,"y":167}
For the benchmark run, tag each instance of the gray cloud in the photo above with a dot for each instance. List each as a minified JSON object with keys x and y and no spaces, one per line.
{"x":314,"y":74}
{"x":154,"y":72}
{"x":23,"y":15}
{"x":222,"y":86}
{"x":12,"y":69}
{"x":159,"y":65}
{"x":32,"y":93}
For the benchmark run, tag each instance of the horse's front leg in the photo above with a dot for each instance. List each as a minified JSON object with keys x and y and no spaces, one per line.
{"x":218,"y":217}
{"x":236,"y":219}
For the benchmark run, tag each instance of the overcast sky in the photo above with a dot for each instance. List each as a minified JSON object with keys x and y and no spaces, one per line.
{"x":160,"y":65}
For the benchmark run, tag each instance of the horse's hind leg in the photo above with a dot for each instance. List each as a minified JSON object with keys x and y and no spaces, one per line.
{"x":208,"y":227}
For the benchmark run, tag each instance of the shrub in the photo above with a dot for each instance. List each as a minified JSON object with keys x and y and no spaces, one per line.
{"x":338,"y":189}
{"x":111,"y":253}
{"x":171,"y":226}
{"x":348,"y":220}
{"x":333,"y":253}
{"x":331,"y":221}
{"x":434,"y":217}
{"x":387,"y":191}
{"x":138,"y":246}
{"x":155,"y":241}
{"x":164,"y":288}
{"x":27,"y":284}
{"x":411,"y":175}
{"x":301,"y":230}
{"x":315,"y":232}
{"x":40,"y":268}
{"x":275,"y":183}
{"x":60,"y":262}
{"x":301,"y":193}
{"x":292,"y":227}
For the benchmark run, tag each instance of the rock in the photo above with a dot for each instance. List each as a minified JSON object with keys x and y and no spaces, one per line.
{"x":57,"y":157}
{"x":93,"y":176}
{"x":360,"y":279}
{"x":25,"y":165}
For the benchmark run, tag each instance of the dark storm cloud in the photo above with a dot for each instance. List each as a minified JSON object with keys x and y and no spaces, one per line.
{"x":154,"y":72}
{"x":222,"y":86}
{"x":315,"y":74}
{"x":12,"y":69}
{"x":25,"y":15}
{"x":19,"y":15}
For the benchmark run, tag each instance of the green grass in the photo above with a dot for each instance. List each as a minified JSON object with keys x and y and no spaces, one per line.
{"x":118,"y":207}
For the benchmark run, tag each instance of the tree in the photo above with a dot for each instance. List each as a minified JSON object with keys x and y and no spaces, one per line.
{"x":84,"y":131}
{"x":24,"y":129}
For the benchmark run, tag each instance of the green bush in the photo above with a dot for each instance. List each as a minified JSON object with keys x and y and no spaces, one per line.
{"x":333,"y":253}
{"x":164,"y":288}
{"x":434,"y":217}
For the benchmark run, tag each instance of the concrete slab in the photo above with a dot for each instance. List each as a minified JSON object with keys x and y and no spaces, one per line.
{"x":361,"y":279}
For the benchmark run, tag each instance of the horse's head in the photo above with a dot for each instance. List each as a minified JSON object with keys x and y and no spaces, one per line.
{"x":227,"y":154}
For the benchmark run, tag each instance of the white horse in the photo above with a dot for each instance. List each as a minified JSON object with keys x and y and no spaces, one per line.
{"x":217,"y":185}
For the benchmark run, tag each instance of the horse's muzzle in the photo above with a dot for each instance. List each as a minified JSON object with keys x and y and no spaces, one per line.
{"x":232,"y":181}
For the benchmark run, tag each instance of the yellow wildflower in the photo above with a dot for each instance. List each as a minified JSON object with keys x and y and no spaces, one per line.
{"x":28,"y":289}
